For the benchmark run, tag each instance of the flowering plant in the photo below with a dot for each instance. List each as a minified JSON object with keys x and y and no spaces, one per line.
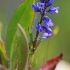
{"x":47,"y":22}
{"x":21,"y":44}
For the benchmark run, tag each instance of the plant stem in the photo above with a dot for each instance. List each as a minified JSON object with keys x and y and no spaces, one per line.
{"x":37,"y":33}
{"x":35,"y":40}
{"x":30,"y":63}
{"x":29,"y":67}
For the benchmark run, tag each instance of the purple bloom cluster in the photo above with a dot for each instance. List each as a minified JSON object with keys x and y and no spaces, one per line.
{"x":41,"y":7}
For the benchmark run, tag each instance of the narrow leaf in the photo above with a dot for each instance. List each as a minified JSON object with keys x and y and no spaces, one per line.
{"x":2,"y":48}
{"x":3,"y":54}
{"x":22,"y":49}
{"x":13,"y":54}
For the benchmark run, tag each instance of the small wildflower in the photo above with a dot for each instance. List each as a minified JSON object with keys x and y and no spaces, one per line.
{"x":39,"y":27}
{"x":41,"y":5}
{"x":47,"y":21}
{"x":50,"y":2}
{"x":53,"y":10}
{"x":36,"y":8}
{"x":47,"y":30}
{"x":42,"y":1}
{"x":45,"y":35}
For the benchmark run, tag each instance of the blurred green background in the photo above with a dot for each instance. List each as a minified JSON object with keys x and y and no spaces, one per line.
{"x":49,"y":47}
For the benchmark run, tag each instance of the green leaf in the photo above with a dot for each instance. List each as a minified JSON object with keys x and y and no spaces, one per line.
{"x":3,"y":54}
{"x":2,"y":49}
{"x":3,"y":60}
{"x":22,"y":48}
{"x":13,"y":54}
{"x":23,"y":15}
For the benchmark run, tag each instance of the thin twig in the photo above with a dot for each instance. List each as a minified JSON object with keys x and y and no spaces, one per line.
{"x":37,"y":33}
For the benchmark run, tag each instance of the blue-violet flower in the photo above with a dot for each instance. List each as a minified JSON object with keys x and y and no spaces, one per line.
{"x":48,"y":2}
{"x":47,"y":29}
{"x":36,"y":8}
{"x":46,"y":35}
{"x":53,"y":10}
{"x":39,"y":7}
{"x":47,"y":21}
{"x":39,"y":27}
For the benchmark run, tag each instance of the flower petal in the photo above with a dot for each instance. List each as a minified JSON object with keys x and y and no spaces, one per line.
{"x":40,"y":5}
{"x":42,"y":1}
{"x":47,"y":21}
{"x":45,"y":35}
{"x":39,"y":27}
{"x":47,"y":30}
{"x":50,"y":2}
{"x":53,"y":10}
{"x":36,"y":8}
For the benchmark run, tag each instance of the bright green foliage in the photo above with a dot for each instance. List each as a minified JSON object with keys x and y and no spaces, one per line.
{"x":22,"y":48}
{"x":19,"y":50}
{"x":23,"y":15}
{"x":13,"y":54}
{"x":3,"y":60}
{"x":3,"y":55}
